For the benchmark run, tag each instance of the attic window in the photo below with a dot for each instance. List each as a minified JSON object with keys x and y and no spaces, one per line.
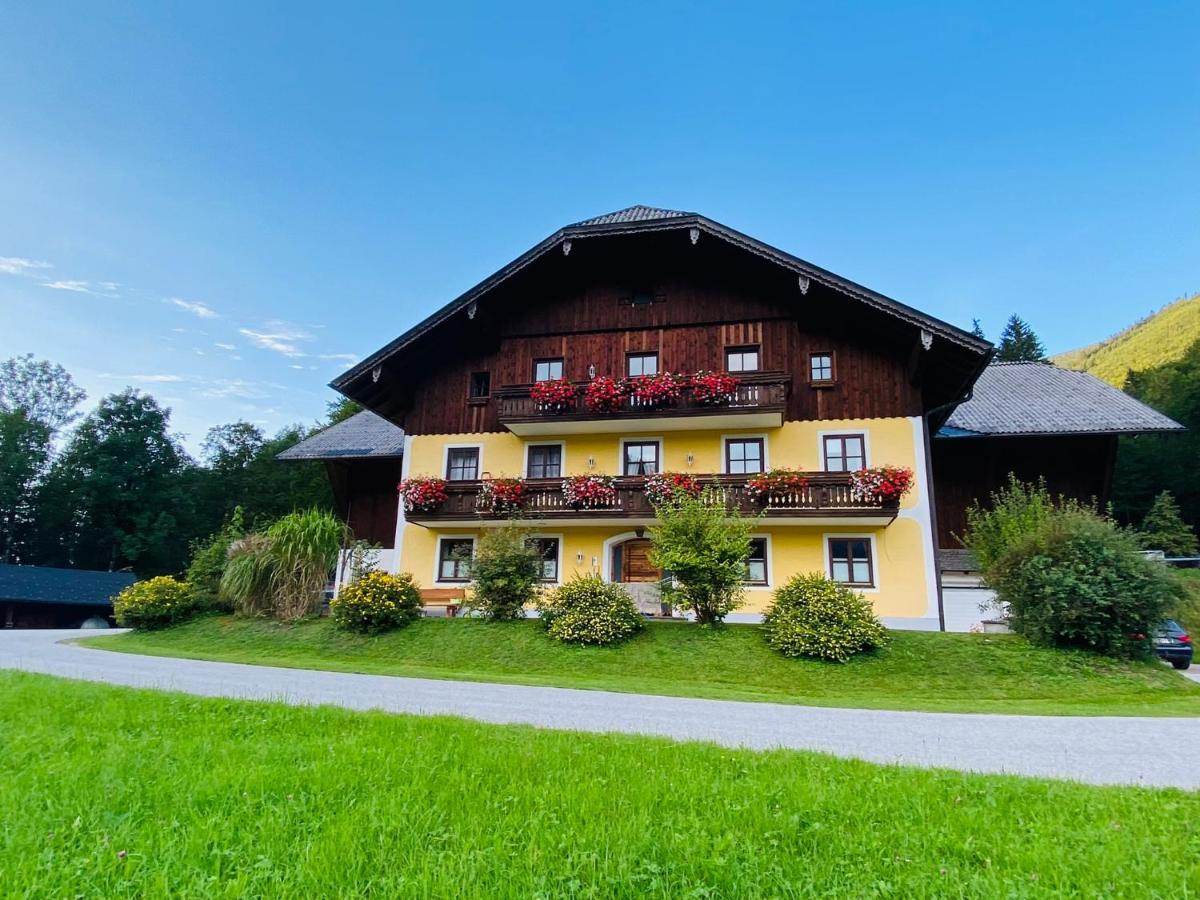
{"x":643,"y":296}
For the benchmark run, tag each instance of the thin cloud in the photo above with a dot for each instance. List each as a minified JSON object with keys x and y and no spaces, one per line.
{"x":196,"y":309}
{"x":221,"y":346}
{"x":157,"y":378}
{"x":282,"y":338}
{"x":19,"y":265}
{"x":344,"y":357}
{"x":80,"y":287}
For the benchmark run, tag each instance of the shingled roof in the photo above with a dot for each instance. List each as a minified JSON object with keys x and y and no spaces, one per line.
{"x":43,"y":584}
{"x":1014,"y":398}
{"x":636,"y":213}
{"x":363,"y":435}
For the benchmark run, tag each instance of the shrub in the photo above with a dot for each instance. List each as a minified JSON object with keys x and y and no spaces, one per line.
{"x":377,"y":601}
{"x":304,"y":547}
{"x":154,"y":603}
{"x":588,"y":610}
{"x":209,"y":557}
{"x":1012,"y":512}
{"x":246,"y":581}
{"x":704,"y":547}
{"x":505,"y":572}
{"x":813,"y":616}
{"x":1078,"y":581}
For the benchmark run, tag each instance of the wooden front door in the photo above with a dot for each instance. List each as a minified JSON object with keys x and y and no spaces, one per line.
{"x":635,"y":562}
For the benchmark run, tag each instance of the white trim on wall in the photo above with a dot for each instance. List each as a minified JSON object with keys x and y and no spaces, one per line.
{"x":562,"y":445}
{"x":723,"y":463}
{"x":843,"y":432}
{"x":606,"y":552}
{"x":825,"y":538}
{"x":398,"y":541}
{"x":437,"y":559}
{"x":921,"y":513}
{"x":446,"y":448}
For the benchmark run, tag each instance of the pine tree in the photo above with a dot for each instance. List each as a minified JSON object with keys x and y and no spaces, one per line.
{"x":1018,"y":342}
{"x":1164,"y":529}
{"x":977,"y":330}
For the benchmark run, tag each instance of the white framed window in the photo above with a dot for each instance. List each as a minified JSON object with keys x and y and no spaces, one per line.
{"x":641,"y":456}
{"x":549,"y":551}
{"x":851,"y":559}
{"x":758,"y":564}
{"x":462,"y":462}
{"x":454,"y":555}
{"x":545,"y":460}
{"x":744,"y":454}
{"x":844,"y":451}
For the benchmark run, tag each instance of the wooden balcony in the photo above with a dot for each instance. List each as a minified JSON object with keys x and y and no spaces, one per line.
{"x":759,"y":402}
{"x":825,"y":500}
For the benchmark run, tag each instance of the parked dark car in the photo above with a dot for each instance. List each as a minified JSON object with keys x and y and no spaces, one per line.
{"x":1173,"y":644}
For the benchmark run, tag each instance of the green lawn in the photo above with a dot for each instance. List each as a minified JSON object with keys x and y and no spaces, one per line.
{"x":114,"y":792}
{"x":947,"y":672}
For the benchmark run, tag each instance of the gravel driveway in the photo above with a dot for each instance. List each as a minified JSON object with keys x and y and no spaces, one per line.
{"x":1099,"y":750}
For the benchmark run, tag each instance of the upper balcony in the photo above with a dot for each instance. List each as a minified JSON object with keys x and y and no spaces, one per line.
{"x":759,"y":401}
{"x":825,"y":499}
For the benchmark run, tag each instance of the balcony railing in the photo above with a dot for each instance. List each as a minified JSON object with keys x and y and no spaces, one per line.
{"x":826,"y":496}
{"x":760,"y":398}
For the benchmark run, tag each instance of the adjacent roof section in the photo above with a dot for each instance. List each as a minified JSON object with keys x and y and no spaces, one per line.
{"x":637,"y":213}
{"x":42,"y":584}
{"x":1014,"y":398}
{"x":363,"y":435}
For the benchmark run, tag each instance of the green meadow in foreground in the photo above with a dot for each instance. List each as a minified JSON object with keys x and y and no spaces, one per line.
{"x":918,"y":670}
{"x":115,"y":792}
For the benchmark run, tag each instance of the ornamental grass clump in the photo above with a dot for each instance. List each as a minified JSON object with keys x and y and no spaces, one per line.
{"x":246,"y":581}
{"x":378,"y":601}
{"x":589,"y":610}
{"x":304,"y":547}
{"x":154,"y":603}
{"x":811,"y":616}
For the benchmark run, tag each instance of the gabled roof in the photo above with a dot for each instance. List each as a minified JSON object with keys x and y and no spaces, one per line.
{"x":42,"y":584}
{"x":362,"y":436}
{"x":644,"y":219}
{"x":1030,"y":398}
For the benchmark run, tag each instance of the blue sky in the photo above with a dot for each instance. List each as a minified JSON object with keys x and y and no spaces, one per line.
{"x":225,"y":204}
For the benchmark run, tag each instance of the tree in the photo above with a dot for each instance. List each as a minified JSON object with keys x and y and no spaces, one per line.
{"x":1163,"y":528}
{"x":44,"y":391}
{"x":115,"y":497}
{"x":24,"y":456}
{"x":704,"y":547}
{"x":977,"y":330}
{"x":340,"y":410}
{"x":1019,"y":343}
{"x":230,"y":448}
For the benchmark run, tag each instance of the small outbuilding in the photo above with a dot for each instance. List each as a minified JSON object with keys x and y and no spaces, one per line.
{"x":45,"y":597}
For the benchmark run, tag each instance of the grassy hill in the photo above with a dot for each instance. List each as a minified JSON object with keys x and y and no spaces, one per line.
{"x":1160,"y":338}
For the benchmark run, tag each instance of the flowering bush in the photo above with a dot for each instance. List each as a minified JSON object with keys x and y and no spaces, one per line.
{"x":663,"y":487}
{"x":881,"y":484}
{"x":775,"y":483}
{"x":154,"y":603}
{"x":423,"y":493}
{"x":500,"y":495}
{"x":589,"y":491}
{"x":714,"y":387}
{"x":588,"y":610}
{"x":653,"y":390}
{"x":604,"y":395}
{"x":376,"y":602}
{"x":813,"y":616}
{"x":555,"y":395}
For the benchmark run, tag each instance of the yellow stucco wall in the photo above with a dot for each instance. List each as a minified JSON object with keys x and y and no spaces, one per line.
{"x":901,"y":549}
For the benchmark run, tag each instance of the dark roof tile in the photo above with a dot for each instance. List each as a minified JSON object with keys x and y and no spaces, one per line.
{"x":363,"y":435}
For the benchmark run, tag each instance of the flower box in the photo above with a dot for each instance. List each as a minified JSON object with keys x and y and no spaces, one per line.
{"x":881,"y":484}
{"x":662,"y":389}
{"x":604,"y":395}
{"x":556,"y":395}
{"x":714,"y":388}
{"x":663,"y":487}
{"x":500,"y":496}
{"x":422,"y":493}
{"x":775,"y":483}
{"x":589,"y":491}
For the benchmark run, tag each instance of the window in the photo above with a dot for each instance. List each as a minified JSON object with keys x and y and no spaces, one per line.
{"x":850,"y":561}
{"x":641,"y":458}
{"x":462,"y":464}
{"x":756,"y":564}
{"x":547,"y":553}
{"x":845,"y":452}
{"x":820,"y":367}
{"x":547,"y":369}
{"x":743,"y":456}
{"x":641,"y":364}
{"x":454,"y":558}
{"x":741,"y":359}
{"x":481,"y":385}
{"x":545,"y":461}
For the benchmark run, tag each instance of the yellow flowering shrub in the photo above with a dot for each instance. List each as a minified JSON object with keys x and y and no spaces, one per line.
{"x":587,"y":610}
{"x":377,"y":601}
{"x":154,"y":603}
{"x":813,"y":616}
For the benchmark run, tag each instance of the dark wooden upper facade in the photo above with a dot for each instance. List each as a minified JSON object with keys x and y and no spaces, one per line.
{"x":688,"y":302}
